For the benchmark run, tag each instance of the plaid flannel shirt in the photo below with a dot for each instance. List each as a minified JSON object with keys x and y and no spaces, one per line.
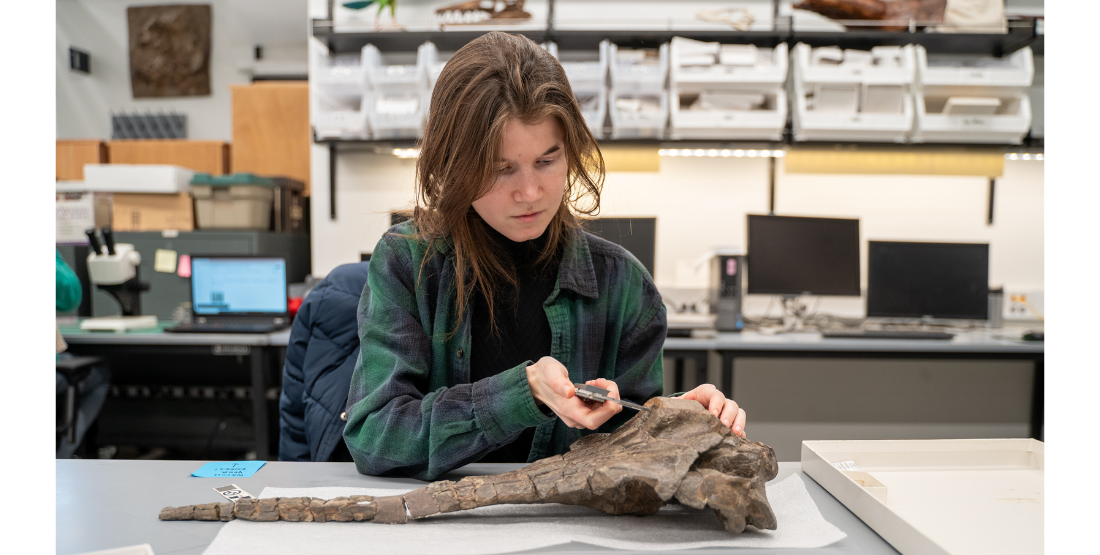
{"x":412,"y":409}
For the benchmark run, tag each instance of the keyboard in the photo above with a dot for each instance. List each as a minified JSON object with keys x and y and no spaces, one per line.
{"x":885,"y":334}
{"x":225,"y":327}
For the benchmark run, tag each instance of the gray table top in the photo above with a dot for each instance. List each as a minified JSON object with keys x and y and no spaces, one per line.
{"x":157,"y":336}
{"x":978,"y":341}
{"x":115,"y":503}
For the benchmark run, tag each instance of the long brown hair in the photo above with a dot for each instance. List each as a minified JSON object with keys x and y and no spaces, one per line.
{"x":489,"y":81}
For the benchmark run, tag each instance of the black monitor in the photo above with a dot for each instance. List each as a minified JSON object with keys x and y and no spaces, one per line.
{"x":794,"y":256}
{"x":941,"y":280}
{"x":637,"y":235}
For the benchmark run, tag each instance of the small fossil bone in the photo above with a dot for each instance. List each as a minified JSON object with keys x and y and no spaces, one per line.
{"x":482,"y":11}
{"x":676,"y":451}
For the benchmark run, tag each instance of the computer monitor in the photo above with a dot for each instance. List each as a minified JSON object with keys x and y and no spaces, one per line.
{"x":941,"y":280}
{"x":238,"y":285}
{"x":794,"y":256}
{"x":637,"y":235}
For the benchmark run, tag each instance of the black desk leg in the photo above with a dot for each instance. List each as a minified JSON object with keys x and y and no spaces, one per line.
{"x":259,"y":401}
{"x":1036,"y":427}
{"x":728,"y":359}
{"x":700,"y":368}
{"x":678,"y":372}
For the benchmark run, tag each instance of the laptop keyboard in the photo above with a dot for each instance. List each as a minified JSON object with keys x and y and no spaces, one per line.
{"x":224,"y":327}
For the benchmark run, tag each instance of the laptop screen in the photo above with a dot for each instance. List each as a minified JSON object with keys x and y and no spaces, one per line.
{"x":238,"y":285}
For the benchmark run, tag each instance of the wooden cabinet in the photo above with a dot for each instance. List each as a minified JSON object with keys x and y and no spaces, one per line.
{"x":271,"y":129}
{"x":73,"y":154}
{"x":201,"y":156}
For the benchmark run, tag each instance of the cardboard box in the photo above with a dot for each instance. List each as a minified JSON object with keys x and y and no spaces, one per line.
{"x":73,"y":154}
{"x":78,"y":211}
{"x":137,"y":178}
{"x":210,"y":157}
{"x":938,"y":496}
{"x":153,"y":212}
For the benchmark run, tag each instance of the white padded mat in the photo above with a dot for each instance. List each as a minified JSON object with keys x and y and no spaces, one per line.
{"x":510,"y":528}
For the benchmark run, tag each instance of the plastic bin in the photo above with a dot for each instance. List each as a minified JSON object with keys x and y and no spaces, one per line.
{"x":766,"y":123}
{"x":399,"y":91}
{"x":238,"y":201}
{"x":626,"y":72}
{"x":587,"y":74}
{"x":867,"y":97}
{"x":1009,"y":124}
{"x":342,"y":100}
{"x":741,"y":65}
{"x":638,"y":124}
{"x":960,"y":74}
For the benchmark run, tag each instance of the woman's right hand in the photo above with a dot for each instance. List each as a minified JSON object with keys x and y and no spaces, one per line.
{"x":551,"y":386}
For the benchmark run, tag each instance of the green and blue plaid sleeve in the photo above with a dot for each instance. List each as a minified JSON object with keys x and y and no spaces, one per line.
{"x":403,"y":418}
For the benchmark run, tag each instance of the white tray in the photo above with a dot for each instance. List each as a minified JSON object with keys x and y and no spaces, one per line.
{"x":950,"y":496}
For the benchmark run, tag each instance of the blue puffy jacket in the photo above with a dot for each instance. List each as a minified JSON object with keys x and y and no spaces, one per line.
{"x":324,"y":344}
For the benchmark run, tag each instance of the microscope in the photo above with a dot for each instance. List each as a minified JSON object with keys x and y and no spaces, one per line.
{"x":114,"y":268}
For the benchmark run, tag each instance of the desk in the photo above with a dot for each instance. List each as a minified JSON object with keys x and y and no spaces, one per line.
{"x":979,"y":344}
{"x":114,"y":503}
{"x":260,"y":350}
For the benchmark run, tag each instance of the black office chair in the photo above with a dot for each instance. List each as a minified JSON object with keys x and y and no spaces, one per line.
{"x":76,"y":370}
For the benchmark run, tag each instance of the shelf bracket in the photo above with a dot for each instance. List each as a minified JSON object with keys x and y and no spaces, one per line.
{"x":992,"y":188}
{"x":332,"y":180}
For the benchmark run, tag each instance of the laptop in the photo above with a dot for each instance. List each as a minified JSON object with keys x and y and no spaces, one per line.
{"x":237,"y":294}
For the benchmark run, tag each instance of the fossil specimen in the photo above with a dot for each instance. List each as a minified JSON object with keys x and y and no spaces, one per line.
{"x":897,"y":12}
{"x":482,"y":11}
{"x":676,"y":451}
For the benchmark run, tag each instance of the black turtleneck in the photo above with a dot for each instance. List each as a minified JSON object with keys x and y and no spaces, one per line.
{"x":522,"y":330}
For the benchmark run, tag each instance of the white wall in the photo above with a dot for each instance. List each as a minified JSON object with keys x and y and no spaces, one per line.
{"x":84,"y":102}
{"x":701,"y":203}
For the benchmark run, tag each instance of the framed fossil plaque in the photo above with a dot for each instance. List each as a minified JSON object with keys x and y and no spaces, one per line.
{"x":169,"y":50}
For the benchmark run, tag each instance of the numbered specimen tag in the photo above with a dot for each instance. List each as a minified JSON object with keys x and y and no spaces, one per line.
{"x":233,"y":492}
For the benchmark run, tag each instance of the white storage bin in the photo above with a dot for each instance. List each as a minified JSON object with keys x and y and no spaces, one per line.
{"x":817,"y":125}
{"x":233,"y":207}
{"x":587,"y":74}
{"x":137,"y":178}
{"x":339,"y":76}
{"x":397,"y":116}
{"x":629,"y":123}
{"x":399,"y":91}
{"x":340,"y":120}
{"x":960,"y":74}
{"x":857,"y":95}
{"x":766,"y":123}
{"x":1009,"y":124}
{"x":638,"y":69}
{"x":885,"y":72}
{"x":695,"y":65}
{"x":341,"y":96}
{"x":391,"y":72}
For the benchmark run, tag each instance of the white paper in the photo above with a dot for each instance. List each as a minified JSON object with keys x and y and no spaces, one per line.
{"x":509,"y":528}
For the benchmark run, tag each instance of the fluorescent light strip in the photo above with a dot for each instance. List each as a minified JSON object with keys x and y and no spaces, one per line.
{"x":1024,"y":156}
{"x":406,"y":152}
{"x":724,"y":153}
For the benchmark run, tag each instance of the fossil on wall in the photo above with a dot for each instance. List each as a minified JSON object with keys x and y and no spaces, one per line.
{"x":169,"y":50}
{"x":674,"y":452}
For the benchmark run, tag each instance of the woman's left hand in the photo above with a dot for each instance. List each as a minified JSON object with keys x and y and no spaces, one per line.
{"x":725,"y":409}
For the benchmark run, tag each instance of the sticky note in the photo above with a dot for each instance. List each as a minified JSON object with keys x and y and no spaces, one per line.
{"x":228,"y":469}
{"x":184,"y":270}
{"x":164,"y":260}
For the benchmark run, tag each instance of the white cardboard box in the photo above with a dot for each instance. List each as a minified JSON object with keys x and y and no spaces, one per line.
{"x":946,"y":497}
{"x":137,"y":178}
{"x":80,"y":210}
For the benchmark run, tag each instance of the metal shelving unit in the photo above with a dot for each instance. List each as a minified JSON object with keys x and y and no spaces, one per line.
{"x":1021,"y":32}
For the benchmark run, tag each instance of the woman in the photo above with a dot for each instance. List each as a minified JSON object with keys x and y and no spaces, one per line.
{"x":482,"y":311}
